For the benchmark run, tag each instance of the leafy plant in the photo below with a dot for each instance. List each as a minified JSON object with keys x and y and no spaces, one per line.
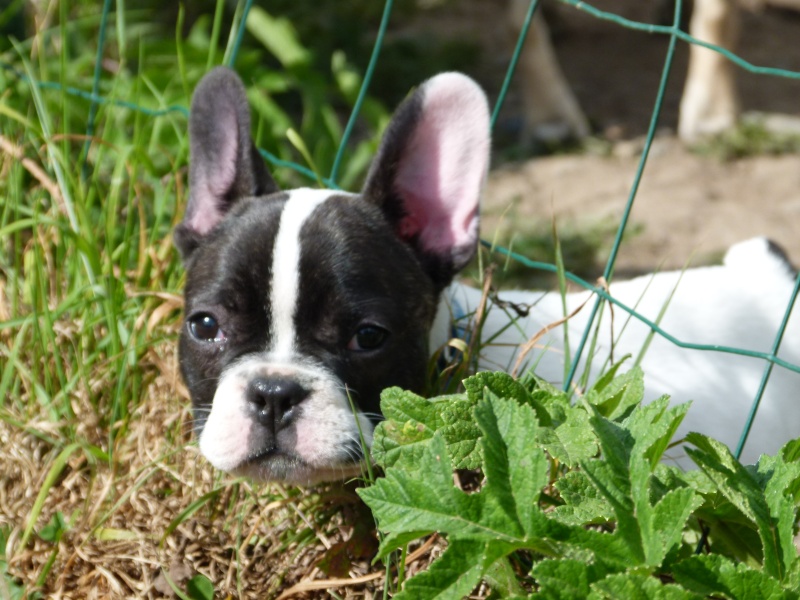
{"x":575,"y":501}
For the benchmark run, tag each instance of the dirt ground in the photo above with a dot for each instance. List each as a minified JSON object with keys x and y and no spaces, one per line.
{"x":689,"y":206}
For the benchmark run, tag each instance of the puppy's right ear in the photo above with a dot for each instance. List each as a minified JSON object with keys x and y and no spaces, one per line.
{"x":430,"y":170}
{"x":224,"y":165}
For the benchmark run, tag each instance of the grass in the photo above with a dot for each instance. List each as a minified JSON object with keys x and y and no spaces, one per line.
{"x":754,"y":135}
{"x":103,"y":489}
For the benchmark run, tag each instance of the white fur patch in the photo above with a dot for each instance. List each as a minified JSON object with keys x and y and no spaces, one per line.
{"x":738,"y":304}
{"x":286,"y":265}
{"x":320,"y":444}
{"x":224,"y":440}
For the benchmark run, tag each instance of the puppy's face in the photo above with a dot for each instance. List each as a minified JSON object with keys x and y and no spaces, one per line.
{"x":296,"y":301}
{"x":302,"y":306}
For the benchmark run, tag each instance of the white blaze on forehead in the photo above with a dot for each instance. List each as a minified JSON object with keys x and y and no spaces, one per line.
{"x":286,"y":267}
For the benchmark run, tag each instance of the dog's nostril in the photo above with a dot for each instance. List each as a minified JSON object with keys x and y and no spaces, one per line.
{"x":274,"y":399}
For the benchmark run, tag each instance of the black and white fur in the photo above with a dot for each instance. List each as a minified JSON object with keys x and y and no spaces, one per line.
{"x":299,"y":301}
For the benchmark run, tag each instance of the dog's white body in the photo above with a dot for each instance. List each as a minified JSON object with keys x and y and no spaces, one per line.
{"x":739,"y":304}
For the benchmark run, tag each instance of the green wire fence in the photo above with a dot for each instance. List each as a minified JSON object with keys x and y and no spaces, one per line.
{"x":675,"y":34}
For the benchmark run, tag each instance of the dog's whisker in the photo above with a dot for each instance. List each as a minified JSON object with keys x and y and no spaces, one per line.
{"x":373,"y":415}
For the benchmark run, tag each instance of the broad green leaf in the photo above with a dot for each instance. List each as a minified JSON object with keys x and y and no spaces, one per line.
{"x":740,"y":487}
{"x":584,"y":504}
{"x":731,"y":532}
{"x":503,"y":385}
{"x":516,"y":470}
{"x":636,"y":586}
{"x":616,"y":398}
{"x":616,"y":489}
{"x":573,"y":440}
{"x":55,"y":528}
{"x":780,"y":480}
{"x":410,"y":422}
{"x":200,"y":587}
{"x":555,"y":400}
{"x":791,"y":451}
{"x":661,"y":524}
{"x":653,"y":426}
{"x":602,"y":383}
{"x":566,"y":579}
{"x":461,"y":433}
{"x":616,"y":443}
{"x":792,"y":579}
{"x":455,"y":574}
{"x":499,"y":383}
{"x":714,"y":574}
{"x":626,"y":480}
{"x":400,"y":405}
{"x":503,"y":579}
{"x":405,"y":502}
{"x":668,"y":521}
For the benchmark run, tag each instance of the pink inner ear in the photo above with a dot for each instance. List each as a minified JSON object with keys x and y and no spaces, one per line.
{"x":213,"y":183}
{"x":443,"y":169}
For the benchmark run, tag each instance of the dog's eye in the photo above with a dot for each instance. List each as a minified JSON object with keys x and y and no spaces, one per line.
{"x":204,"y":327}
{"x":368,"y":337}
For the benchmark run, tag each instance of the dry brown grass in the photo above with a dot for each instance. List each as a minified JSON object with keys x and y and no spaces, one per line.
{"x":251,"y":541}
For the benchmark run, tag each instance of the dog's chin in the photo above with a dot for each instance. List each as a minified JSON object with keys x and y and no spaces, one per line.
{"x":279,"y":467}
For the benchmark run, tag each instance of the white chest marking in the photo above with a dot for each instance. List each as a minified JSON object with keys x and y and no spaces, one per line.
{"x":286,"y":268}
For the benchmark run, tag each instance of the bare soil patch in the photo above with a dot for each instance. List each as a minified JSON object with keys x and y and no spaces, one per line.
{"x":687,"y":207}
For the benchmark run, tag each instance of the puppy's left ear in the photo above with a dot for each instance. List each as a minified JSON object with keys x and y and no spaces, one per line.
{"x":225,"y":165}
{"x":430,"y":171}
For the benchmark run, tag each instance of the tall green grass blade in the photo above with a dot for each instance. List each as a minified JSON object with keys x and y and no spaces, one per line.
{"x":297,"y":141}
{"x":52,"y":476}
{"x":659,"y":317}
{"x":189,"y":511}
{"x":101,"y":42}
{"x":179,"y":50}
{"x":215,"y":32}
{"x":175,"y":589}
{"x":562,"y":290}
{"x":15,"y":116}
{"x":11,"y":366}
{"x":56,"y":162}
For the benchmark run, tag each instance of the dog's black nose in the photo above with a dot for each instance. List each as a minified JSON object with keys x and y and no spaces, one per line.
{"x":274,"y":400}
